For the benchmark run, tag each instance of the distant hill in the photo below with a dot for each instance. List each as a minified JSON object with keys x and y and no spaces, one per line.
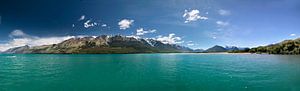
{"x":103,"y":44}
{"x":198,"y":50}
{"x":284,"y":47}
{"x":232,"y":48}
{"x":216,"y":48}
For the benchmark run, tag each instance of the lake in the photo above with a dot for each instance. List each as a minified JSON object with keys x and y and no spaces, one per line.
{"x":149,"y":72}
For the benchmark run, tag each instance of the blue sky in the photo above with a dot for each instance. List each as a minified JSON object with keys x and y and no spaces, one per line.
{"x":245,"y":23}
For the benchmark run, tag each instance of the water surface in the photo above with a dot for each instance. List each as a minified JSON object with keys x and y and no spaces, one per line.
{"x":149,"y":72}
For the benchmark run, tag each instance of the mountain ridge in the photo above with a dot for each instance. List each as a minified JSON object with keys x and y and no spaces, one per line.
{"x":102,"y":45}
{"x":284,"y":47}
{"x":216,"y":48}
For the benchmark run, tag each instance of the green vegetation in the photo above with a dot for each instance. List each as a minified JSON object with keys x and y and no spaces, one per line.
{"x":291,"y":47}
{"x":246,"y":50}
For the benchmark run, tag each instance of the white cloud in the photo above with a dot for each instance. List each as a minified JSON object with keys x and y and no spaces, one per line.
{"x":224,"y":12}
{"x":81,"y":18}
{"x":103,"y":25}
{"x":89,"y":23}
{"x":190,"y":44}
{"x":31,"y":40}
{"x":193,"y":15}
{"x":292,"y":35}
{"x":17,"y":33}
{"x":141,"y":31}
{"x":134,"y":36}
{"x":214,"y":37}
{"x":222,"y":23}
{"x":171,"y":39}
{"x":125,"y":23}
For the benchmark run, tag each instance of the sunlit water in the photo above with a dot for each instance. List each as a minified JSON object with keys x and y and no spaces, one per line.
{"x":149,"y":72}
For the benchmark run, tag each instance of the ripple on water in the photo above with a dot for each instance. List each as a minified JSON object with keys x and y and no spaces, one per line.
{"x":183,"y":72}
{"x":10,"y":56}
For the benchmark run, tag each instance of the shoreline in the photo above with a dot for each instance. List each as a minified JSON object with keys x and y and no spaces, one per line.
{"x":132,"y":53}
{"x":225,"y":53}
{"x":136,"y":53}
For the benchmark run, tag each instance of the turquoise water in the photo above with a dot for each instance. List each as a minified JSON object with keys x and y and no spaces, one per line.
{"x":149,"y":72}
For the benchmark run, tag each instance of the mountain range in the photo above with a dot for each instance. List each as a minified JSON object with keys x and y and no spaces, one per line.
{"x":218,"y":48}
{"x":101,"y":45}
{"x":120,"y":44}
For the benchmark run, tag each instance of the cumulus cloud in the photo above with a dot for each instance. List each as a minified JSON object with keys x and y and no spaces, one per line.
{"x":141,"y":31}
{"x":292,"y":35}
{"x":25,"y":39}
{"x":193,"y":15}
{"x":81,"y":18}
{"x":89,"y":24}
{"x":224,"y":12}
{"x":171,"y":39}
{"x":222,"y":23}
{"x":125,"y":23}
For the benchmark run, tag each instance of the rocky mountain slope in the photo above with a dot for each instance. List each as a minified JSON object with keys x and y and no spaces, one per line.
{"x":103,"y":44}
